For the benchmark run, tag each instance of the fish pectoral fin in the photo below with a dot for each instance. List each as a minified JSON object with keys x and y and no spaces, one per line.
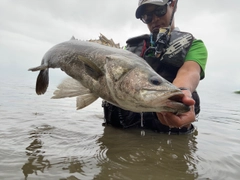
{"x":70,"y":87}
{"x":85,"y":100}
{"x":91,"y":68}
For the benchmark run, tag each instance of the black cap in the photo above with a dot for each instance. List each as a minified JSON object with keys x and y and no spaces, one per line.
{"x":141,"y":3}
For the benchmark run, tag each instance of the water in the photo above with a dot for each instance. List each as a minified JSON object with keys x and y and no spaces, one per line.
{"x":43,"y":138}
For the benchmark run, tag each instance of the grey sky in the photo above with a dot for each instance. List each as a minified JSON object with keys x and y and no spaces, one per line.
{"x":28,"y":28}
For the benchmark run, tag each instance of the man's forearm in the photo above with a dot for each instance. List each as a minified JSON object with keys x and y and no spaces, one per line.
{"x":188,"y":76}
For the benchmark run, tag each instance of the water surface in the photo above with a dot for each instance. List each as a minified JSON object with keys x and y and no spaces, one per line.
{"x":43,"y":138}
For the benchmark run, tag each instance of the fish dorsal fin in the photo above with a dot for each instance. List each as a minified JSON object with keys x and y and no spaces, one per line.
{"x":92,"y":69}
{"x":105,"y":41}
{"x":73,"y":88}
{"x":73,"y":38}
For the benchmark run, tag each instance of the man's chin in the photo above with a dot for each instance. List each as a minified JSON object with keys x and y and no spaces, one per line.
{"x":155,"y":31}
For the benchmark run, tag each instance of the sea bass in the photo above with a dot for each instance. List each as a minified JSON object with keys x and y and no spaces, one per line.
{"x":115,"y":75}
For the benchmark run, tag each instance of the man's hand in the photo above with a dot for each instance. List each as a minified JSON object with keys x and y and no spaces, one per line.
{"x":180,"y":120}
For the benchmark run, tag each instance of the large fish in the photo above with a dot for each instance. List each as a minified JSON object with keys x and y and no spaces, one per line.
{"x":115,"y":75}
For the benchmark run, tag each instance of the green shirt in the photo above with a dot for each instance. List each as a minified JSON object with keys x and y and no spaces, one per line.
{"x":199,"y":54}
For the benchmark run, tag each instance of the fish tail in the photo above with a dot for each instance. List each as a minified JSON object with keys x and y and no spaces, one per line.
{"x":42,"y":82}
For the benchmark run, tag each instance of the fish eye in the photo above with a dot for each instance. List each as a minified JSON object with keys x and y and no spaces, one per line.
{"x":155,"y":80}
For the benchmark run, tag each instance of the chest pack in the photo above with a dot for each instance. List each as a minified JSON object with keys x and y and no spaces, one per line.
{"x":172,"y":59}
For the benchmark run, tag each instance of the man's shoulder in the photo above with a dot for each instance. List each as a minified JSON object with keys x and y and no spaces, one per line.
{"x":138,"y":39}
{"x":181,"y":33}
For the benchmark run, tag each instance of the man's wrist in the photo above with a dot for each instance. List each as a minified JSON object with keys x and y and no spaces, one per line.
{"x":184,"y":88}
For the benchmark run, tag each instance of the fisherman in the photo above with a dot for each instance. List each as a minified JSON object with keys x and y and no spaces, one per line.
{"x":177,"y":56}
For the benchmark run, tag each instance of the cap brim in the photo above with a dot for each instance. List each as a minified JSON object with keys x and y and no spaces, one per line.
{"x":140,"y":8}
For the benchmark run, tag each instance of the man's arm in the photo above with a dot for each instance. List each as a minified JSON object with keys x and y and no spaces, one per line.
{"x":188,"y":77}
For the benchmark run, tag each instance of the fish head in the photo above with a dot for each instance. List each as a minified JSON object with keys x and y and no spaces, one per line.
{"x":140,"y":89}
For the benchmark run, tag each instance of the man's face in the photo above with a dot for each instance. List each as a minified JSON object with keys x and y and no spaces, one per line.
{"x":158,"y":22}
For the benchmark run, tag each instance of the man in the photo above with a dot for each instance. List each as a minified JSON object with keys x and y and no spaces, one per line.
{"x":177,"y":56}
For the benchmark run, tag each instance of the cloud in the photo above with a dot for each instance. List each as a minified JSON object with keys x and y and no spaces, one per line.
{"x":56,"y":20}
{"x":30,"y":27}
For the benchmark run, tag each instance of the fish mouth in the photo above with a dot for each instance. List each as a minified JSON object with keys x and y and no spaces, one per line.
{"x":175,"y":103}
{"x":177,"y":97}
{"x":171,"y":101}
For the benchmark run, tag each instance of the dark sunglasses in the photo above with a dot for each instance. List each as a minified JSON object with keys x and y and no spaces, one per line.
{"x":159,"y":12}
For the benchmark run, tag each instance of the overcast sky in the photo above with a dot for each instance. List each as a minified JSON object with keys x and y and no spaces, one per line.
{"x":28,"y":28}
